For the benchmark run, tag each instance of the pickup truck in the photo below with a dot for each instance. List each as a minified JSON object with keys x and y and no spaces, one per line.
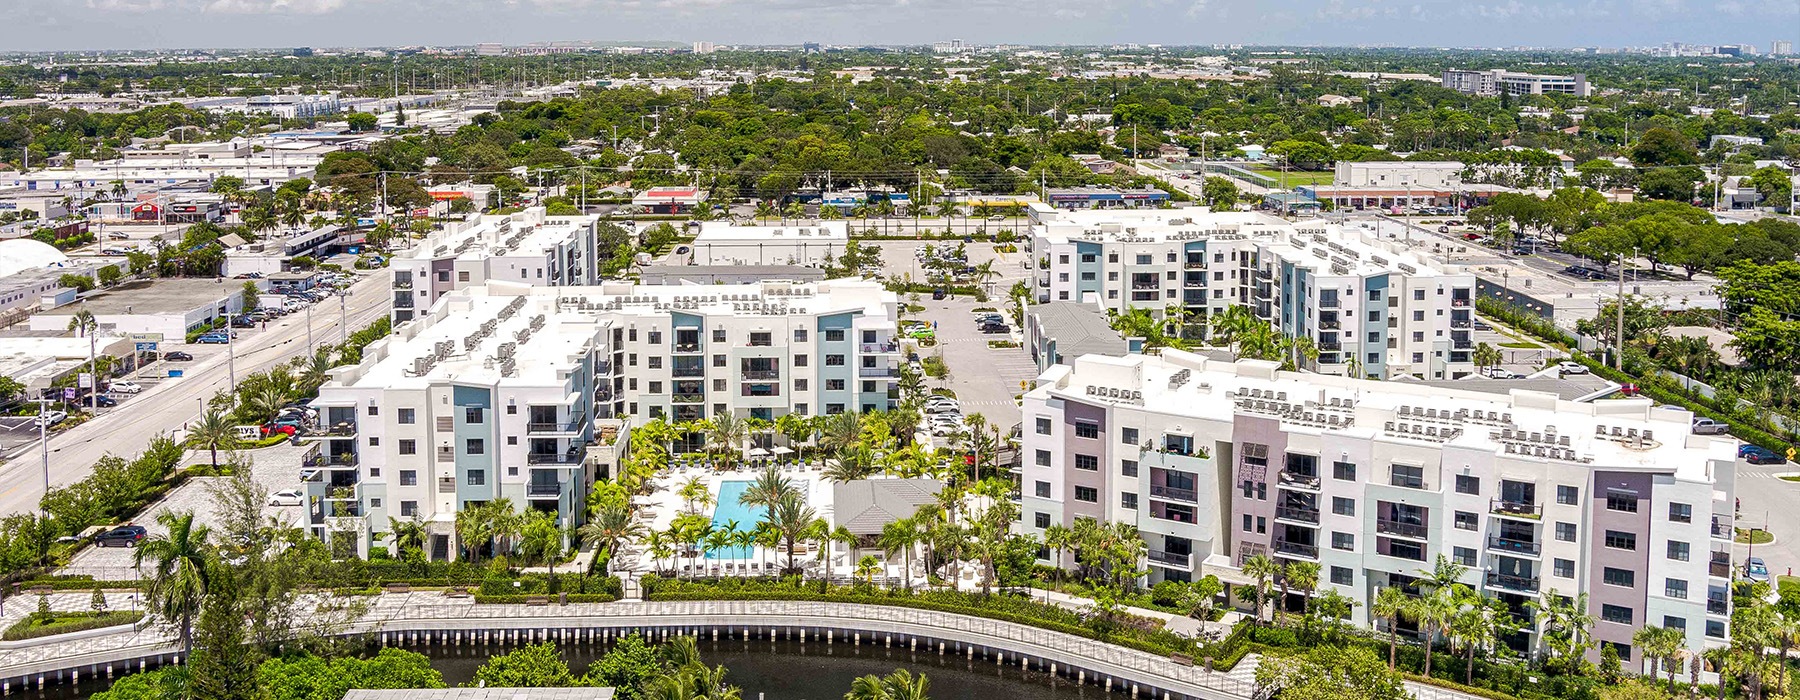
{"x":1708,"y":426}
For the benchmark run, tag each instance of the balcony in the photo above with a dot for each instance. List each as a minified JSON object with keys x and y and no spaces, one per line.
{"x":1721,"y":530}
{"x":1717,"y":606}
{"x":403,"y":283}
{"x":687,"y":347}
{"x":1461,"y":343}
{"x":1298,"y":480}
{"x":1415,"y":531}
{"x":403,"y":300}
{"x":336,"y":460}
{"x":1174,"y":494}
{"x":1408,"y":482}
{"x":878,"y":372}
{"x":1330,"y":345}
{"x":1507,"y":545}
{"x":755,"y":374}
{"x":1146,"y":285}
{"x":1331,"y":303}
{"x":1527,"y":584}
{"x":603,"y":367}
{"x":543,"y":489}
{"x":1720,"y":566}
{"x":1459,"y":301}
{"x":879,"y":348}
{"x":1194,"y":265}
{"x":1308,"y":551}
{"x":1305,"y":515}
{"x":1180,"y":561}
{"x":1516,"y":509}
{"x":573,"y":426}
{"x":688,"y":372}
{"x":339,"y":429}
{"x":694,"y":397}
{"x":562,"y":458}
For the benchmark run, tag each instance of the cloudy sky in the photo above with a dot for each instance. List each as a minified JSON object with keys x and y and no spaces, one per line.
{"x":99,"y":24}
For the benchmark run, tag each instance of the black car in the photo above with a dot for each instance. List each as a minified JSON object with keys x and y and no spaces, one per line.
{"x":122,"y":536}
{"x":994,"y":328}
{"x":937,"y":295}
{"x":101,"y":400}
{"x":177,"y":356}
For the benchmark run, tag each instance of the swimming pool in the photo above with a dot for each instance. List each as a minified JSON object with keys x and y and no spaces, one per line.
{"x":729,"y":509}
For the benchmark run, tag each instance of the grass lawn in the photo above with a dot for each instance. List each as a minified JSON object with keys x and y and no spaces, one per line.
{"x":1754,"y":536}
{"x":1794,"y":479}
{"x":36,"y":625}
{"x":1521,"y":345}
{"x":1294,"y":177}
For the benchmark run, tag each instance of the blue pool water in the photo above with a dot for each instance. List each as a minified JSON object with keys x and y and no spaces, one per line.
{"x":728,"y":509}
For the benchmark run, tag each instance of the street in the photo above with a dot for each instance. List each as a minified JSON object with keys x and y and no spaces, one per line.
{"x":1767,"y":502}
{"x":168,"y":404}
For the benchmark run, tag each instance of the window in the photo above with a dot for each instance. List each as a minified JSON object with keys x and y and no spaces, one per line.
{"x":1463,"y":555}
{"x":718,"y":361}
{"x":655,"y":362}
{"x":655,"y":387}
{"x":1678,"y":550}
{"x":1246,"y":522}
{"x":655,"y":337}
{"x":1681,"y":513}
{"x":1343,"y":576}
{"x":834,"y":360}
{"x":1409,"y":476}
{"x":1128,"y":467}
{"x":1085,"y":429}
{"x":1563,"y":568}
{"x":1043,"y":426}
{"x":1043,"y":458}
{"x":1621,"y":540}
{"x":1675,"y":588}
{"x":406,"y":416}
{"x":472,"y":415}
{"x":1042,"y":489}
{"x":1466,"y":521}
{"x":1675,"y":623}
{"x":1042,"y":520}
{"x":1128,"y":500}
{"x":1618,"y":577}
{"x":1615,"y":613}
{"x":512,"y":409}
{"x":718,"y":335}
{"x":409,"y":477}
{"x":1715,"y":629}
{"x":1468,"y":484}
{"x":799,"y":384}
{"x":799,"y":335}
{"x":477,"y":477}
{"x":1087,"y":463}
{"x":1568,"y":495}
{"x":1262,"y":525}
{"x":374,"y":503}
{"x":834,"y":335}
{"x":834,"y":385}
{"x":1343,"y":540}
{"x":1343,"y":471}
{"x":462,"y":275}
{"x":1565,"y":532}
{"x":475,"y":446}
{"x":1128,"y":436}
{"x":409,"y":509}
{"x":1343,"y":506}
{"x":1087,"y":494}
{"x":1143,"y":259}
{"x":409,"y":447}
{"x":1622,"y":501}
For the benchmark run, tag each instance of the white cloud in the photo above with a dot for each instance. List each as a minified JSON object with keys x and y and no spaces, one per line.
{"x":258,"y":7}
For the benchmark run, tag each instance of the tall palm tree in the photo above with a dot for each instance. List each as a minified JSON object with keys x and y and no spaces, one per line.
{"x":1437,"y":604}
{"x":611,"y":524}
{"x":793,"y":210}
{"x":765,"y":211}
{"x":1260,"y":569}
{"x":1059,"y":538}
{"x":900,"y":536}
{"x":181,"y":562}
{"x":768,"y":487}
{"x":1660,"y":646}
{"x":792,"y":517}
{"x":726,"y":436}
{"x":1304,"y":577}
{"x":213,"y":431}
{"x":1391,"y":604}
{"x":842,"y":535}
{"x":899,"y":685}
{"x":409,"y":533}
{"x":85,"y":325}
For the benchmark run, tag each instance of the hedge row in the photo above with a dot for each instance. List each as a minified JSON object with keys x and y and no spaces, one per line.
{"x":25,"y":629}
{"x":484,"y":598}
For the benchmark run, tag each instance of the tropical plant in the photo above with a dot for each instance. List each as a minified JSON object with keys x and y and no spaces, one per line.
{"x":181,"y":572}
{"x":1391,"y":604}
{"x":1260,"y":569}
{"x":899,"y":685}
{"x":213,"y":431}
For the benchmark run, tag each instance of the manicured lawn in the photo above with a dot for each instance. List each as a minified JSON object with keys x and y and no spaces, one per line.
{"x":36,"y":625}
{"x":1521,"y":345}
{"x":1294,"y":177}
{"x":1754,"y":536}
{"x":1795,"y":479}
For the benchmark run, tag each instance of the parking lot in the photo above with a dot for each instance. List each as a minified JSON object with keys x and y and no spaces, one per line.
{"x":274,"y":468}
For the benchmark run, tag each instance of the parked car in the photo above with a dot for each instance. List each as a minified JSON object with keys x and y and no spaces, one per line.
{"x":121,"y":536}
{"x":101,"y":400}
{"x":1497,"y":372}
{"x":1756,"y":570}
{"x":285,"y":497}
{"x":1708,"y":426}
{"x":922,"y":333}
{"x":214,"y":338}
{"x":995,"y":328}
{"x":1755,"y":454}
{"x":125,"y":387}
{"x":1481,"y":325}
{"x":1570,"y":367}
{"x":49,"y":418}
{"x":937,"y":294}
{"x":177,"y":356}
{"x":942,"y":408}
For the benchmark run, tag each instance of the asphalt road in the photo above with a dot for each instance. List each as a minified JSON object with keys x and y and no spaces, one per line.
{"x":1767,"y":502}
{"x":170,"y":403}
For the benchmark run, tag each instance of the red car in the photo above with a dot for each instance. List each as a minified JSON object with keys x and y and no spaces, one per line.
{"x":1630,"y":390}
{"x":273,"y":429}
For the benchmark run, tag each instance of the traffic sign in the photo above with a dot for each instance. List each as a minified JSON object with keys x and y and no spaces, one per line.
{"x":146,"y":347}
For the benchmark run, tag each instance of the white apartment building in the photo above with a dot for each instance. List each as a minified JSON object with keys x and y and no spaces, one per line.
{"x":529,"y":247}
{"x":1372,"y":307}
{"x":725,"y":243}
{"x":1216,"y":462}
{"x":526,"y":392}
{"x":1496,"y":81}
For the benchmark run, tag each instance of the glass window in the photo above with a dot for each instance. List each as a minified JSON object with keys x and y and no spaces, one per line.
{"x":1042,"y":520}
{"x":1466,"y":521}
{"x":1087,"y":494}
{"x":1463,"y":555}
{"x":477,"y":477}
{"x":1128,"y":436}
{"x":1621,"y":540}
{"x":1128,"y":500}
{"x":409,"y":509}
{"x":409,"y":447}
{"x":1563,"y":568}
{"x":1343,"y":540}
{"x":1675,"y":588}
{"x":1128,"y":467}
{"x":1042,"y":489}
{"x":1618,"y":577}
{"x":409,"y":477}
{"x":1087,"y":429}
{"x":472,"y":415}
{"x":1343,"y":471}
{"x":1468,"y":484}
{"x":1681,"y":513}
{"x":1565,"y":532}
{"x":476,"y":446}
{"x":1343,"y":575}
{"x":406,"y":416}
{"x":1567,"y":495}
{"x":1675,"y":623}
{"x":1042,"y":426}
{"x":1615,"y":613}
{"x":1343,"y":506}
{"x":1622,"y":501}
{"x":1043,"y":458}
{"x":1678,"y":550}
{"x":1087,"y":463}
{"x":834,"y":335}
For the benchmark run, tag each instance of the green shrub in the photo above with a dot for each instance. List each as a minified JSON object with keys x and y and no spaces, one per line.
{"x":38,"y":625}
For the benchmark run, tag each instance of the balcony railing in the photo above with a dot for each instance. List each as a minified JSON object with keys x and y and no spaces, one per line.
{"x":403,"y":283}
{"x":538,"y":489}
{"x":1173,"y":493}
{"x":1310,"y":481}
{"x":762,"y":374}
{"x":1194,"y":265}
{"x":1143,"y":285}
{"x":688,"y":372}
{"x":1459,"y":302}
{"x":1517,"y":509}
{"x":687,"y":347}
{"x":603,"y":368}
{"x":573,"y":426}
{"x":403,"y":301}
{"x":1404,"y":529}
{"x":880,"y":348}
{"x":1512,"y":582}
{"x":687,"y":398}
{"x":1169,"y":558}
{"x":338,"y":429}
{"x":1305,"y":515}
{"x":1720,"y":565}
{"x":556,"y":457}
{"x":1310,"y":551}
{"x":1716,"y":606}
{"x":1410,"y":482}
{"x":1508,"y":545}
{"x":1721,"y":530}
{"x":1461,"y":344}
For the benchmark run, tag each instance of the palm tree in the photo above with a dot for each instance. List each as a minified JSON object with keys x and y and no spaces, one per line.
{"x":695,"y":493}
{"x":765,"y":210}
{"x":792,"y":517}
{"x":657,"y":543}
{"x":1485,"y":355}
{"x":213,"y":431}
{"x":900,"y":536}
{"x":795,"y":427}
{"x":866,"y":568}
{"x":1304,"y":577}
{"x":85,"y":325}
{"x":842,"y":535}
{"x":1660,"y":645}
{"x":793,"y":210}
{"x":726,"y":436}
{"x":1435,"y":608}
{"x":180,"y":578}
{"x":1391,"y":604}
{"x":899,"y":685}
{"x":409,"y":533}
{"x":1476,"y":624}
{"x":1566,"y":625}
{"x":1260,"y":569}
{"x":611,"y":524}
{"x":767,"y":488}
{"x":1232,"y":324}
{"x":1301,"y":352}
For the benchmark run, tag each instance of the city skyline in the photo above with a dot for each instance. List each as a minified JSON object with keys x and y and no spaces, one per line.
{"x":173,"y":24}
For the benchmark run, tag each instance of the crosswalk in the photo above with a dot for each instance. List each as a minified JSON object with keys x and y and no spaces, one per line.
{"x":1760,"y":475}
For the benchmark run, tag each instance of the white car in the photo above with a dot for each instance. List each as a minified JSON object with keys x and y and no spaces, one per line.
{"x":942,"y":430}
{"x":50,"y":418}
{"x":1571,"y":368}
{"x":1498,"y":373}
{"x":942,"y":408}
{"x":125,"y":388}
{"x":286,"y":497}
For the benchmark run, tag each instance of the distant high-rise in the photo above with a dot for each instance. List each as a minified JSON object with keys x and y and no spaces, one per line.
{"x":1781,"y":48}
{"x":704,"y":47}
{"x":489,"y":49}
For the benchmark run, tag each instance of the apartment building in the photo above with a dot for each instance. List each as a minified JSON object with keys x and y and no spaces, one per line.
{"x":528,"y":247}
{"x":1216,"y":462}
{"x":505,"y":390}
{"x":1372,"y":307}
{"x":1499,"y":80}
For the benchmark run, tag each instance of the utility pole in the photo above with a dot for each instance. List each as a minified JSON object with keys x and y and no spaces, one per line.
{"x":231,"y":354}
{"x":1619,"y":340}
{"x":343,"y":317}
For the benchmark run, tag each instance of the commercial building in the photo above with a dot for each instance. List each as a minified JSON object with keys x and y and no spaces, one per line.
{"x":701,"y":275}
{"x":1436,"y":174}
{"x":1106,"y":198}
{"x":168,"y":308}
{"x":1371,"y":307}
{"x":1217,"y":462}
{"x":512,"y":391}
{"x":726,"y":243}
{"x":529,"y":247}
{"x":37,"y":361}
{"x":669,"y":200}
{"x":294,"y":106}
{"x":1499,"y":80}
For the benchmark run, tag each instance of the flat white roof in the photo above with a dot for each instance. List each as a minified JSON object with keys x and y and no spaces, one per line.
{"x":725,"y":232}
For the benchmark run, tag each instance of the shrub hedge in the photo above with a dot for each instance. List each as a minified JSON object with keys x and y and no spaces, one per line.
{"x":35,"y":625}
